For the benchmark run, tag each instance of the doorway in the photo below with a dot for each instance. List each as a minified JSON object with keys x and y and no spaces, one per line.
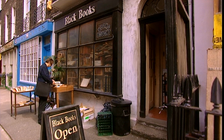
{"x":156,"y":70}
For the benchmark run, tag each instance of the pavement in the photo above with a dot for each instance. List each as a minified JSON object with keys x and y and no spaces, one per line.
{"x":25,"y":126}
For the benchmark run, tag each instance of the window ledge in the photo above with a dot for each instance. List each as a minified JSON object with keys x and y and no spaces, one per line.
{"x":98,"y":93}
{"x":47,"y":47}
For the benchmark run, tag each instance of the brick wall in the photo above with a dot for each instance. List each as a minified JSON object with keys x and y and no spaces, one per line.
{"x":6,"y":10}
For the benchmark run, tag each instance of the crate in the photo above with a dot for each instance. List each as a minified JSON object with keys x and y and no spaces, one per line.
{"x":88,"y":117}
{"x":87,"y":114}
{"x":105,"y":123}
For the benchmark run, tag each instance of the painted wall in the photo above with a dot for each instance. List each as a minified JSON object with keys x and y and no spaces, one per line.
{"x":9,"y":64}
{"x":214,"y":70}
{"x":131,"y":54}
{"x":203,"y":16}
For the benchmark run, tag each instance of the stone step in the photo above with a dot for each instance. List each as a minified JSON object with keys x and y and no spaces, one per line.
{"x":149,"y":131}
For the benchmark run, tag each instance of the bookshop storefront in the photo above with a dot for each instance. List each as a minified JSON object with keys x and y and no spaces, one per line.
{"x":89,"y":49}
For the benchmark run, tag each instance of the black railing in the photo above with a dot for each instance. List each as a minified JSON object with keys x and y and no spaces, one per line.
{"x":216,"y":98}
{"x":185,"y":109}
{"x":26,"y":22}
{"x":39,"y":14}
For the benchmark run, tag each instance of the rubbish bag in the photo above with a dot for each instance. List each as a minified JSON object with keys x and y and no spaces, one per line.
{"x":106,"y":108}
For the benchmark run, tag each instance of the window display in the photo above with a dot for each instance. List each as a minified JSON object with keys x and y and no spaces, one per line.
{"x":88,"y":63}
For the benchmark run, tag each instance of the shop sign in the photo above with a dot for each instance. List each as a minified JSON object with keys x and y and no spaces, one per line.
{"x":43,"y":28}
{"x":62,"y":123}
{"x":87,"y":12}
{"x":81,"y":14}
{"x":217,"y":38}
{"x":7,"y":46}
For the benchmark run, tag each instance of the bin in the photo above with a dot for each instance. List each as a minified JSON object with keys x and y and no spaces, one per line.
{"x":121,"y":111}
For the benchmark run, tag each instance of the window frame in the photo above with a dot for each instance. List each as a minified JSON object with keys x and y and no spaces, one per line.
{"x":35,"y":60}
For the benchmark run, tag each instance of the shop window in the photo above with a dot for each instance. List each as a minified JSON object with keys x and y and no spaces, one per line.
{"x":72,"y":79}
{"x":86,"y":33}
{"x":29,"y":60}
{"x":72,"y":56}
{"x":88,"y":56}
{"x":47,"y":39}
{"x":61,"y":58}
{"x":73,"y":37}
{"x":62,"y":40}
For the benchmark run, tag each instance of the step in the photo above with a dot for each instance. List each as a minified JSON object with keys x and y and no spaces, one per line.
{"x":149,"y":131}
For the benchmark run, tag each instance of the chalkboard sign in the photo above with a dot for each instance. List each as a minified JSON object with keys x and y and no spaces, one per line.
{"x":63,"y":123}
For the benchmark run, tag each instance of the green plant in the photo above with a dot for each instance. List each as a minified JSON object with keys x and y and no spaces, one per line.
{"x":10,"y":75}
{"x":10,"y":82}
{"x":3,"y":78}
{"x":57,"y":72}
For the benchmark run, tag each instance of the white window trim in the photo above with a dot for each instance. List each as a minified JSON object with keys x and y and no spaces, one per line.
{"x":30,"y":55}
{"x":6,"y":29}
{"x":13,"y":22}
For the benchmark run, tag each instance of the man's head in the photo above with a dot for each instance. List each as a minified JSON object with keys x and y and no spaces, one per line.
{"x":49,"y":62}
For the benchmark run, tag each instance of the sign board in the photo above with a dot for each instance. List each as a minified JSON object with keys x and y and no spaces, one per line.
{"x":62,"y":123}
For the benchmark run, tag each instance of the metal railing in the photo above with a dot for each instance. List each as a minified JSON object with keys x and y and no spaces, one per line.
{"x":216,"y":99}
{"x":39,"y":14}
{"x":26,"y":22}
{"x":185,"y":109}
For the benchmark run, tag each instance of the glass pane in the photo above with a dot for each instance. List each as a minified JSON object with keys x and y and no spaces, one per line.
{"x":103,"y":54}
{"x":64,"y":77}
{"x":47,"y":39}
{"x":62,"y":40}
{"x":61,"y":58}
{"x":72,"y":75}
{"x":86,"y":32}
{"x":86,"y":78}
{"x":103,"y":79}
{"x":72,"y":57}
{"x":73,"y":36}
{"x":86,"y":56}
{"x":104,"y":28}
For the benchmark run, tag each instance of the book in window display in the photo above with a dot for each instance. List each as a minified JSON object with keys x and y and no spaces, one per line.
{"x":72,"y":77}
{"x":103,"y":53}
{"x":86,"y":78}
{"x":107,"y":83}
{"x":99,"y":71}
{"x":85,"y":82}
{"x":86,"y":56}
{"x":98,"y":84}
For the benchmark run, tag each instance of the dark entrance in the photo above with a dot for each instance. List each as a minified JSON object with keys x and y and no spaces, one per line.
{"x":153,"y":59}
{"x":177,"y":46}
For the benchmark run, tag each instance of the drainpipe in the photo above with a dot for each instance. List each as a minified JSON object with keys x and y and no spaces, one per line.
{"x":193,"y":34}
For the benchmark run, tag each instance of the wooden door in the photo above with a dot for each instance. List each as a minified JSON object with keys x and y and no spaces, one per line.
{"x":151,"y":70}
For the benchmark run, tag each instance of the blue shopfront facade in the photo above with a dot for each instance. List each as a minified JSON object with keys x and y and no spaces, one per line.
{"x":39,"y":40}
